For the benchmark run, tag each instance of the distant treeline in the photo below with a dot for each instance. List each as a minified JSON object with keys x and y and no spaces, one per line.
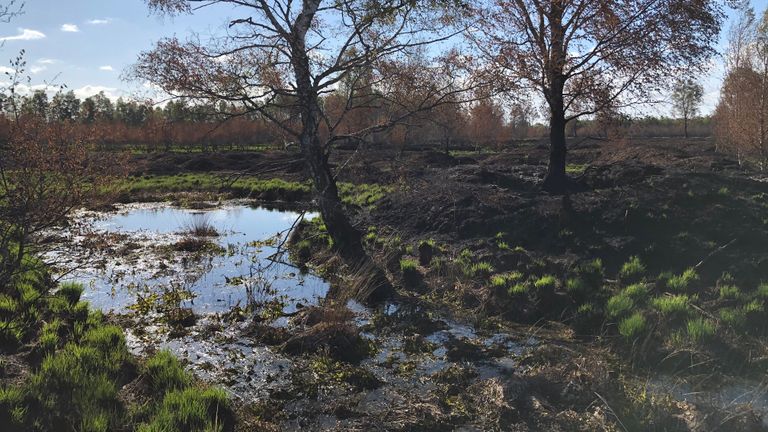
{"x":127,"y":124}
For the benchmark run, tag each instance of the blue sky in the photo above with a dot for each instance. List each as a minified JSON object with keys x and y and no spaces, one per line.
{"x":86,"y":44}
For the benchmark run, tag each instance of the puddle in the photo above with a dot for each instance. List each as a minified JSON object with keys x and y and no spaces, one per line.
{"x":136,"y":261}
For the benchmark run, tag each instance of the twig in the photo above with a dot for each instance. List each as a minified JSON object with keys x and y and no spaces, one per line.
{"x":713,"y":253}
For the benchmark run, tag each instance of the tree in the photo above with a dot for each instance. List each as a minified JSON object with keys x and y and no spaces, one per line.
{"x":686,"y":98}
{"x":742,"y":111}
{"x":64,"y":107}
{"x":584,"y":55}
{"x":280,"y":57}
{"x":486,"y":123}
{"x":36,"y":105}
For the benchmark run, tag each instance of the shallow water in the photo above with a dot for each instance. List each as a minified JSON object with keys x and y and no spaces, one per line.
{"x":124,"y":256}
{"x":243,"y":273}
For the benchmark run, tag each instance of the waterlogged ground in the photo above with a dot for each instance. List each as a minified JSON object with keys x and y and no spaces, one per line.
{"x":242,"y":300}
{"x":131,"y":267}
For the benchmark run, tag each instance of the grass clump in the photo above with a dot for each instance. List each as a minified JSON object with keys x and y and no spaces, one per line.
{"x":71,"y":291}
{"x":683,"y":281}
{"x":672,"y":305}
{"x":730,"y":292}
{"x":619,"y":305}
{"x":408,"y":265}
{"x":504,"y":280}
{"x":547,"y":282}
{"x":762,"y":291}
{"x":192,"y":410}
{"x":632,"y":269}
{"x":518,"y":289}
{"x":637,"y":292}
{"x":700,"y":330}
{"x":734,"y":317}
{"x":632,"y":326}
{"x":165,"y":373}
{"x":482,"y":268}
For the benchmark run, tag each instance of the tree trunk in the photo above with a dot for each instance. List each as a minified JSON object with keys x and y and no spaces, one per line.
{"x":685,"y":126}
{"x":347,"y":240}
{"x":556,"y":180}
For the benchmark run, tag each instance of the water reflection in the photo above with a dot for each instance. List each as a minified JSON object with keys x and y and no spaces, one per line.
{"x":141,"y":262}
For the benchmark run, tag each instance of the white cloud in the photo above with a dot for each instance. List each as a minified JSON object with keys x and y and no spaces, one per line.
{"x":37,"y":69}
{"x":7,"y":70}
{"x":70,"y":28}
{"x":107,"y":68}
{"x":25,"y":35}
{"x":90,"y":90}
{"x":100,"y":21}
{"x":47,"y":61}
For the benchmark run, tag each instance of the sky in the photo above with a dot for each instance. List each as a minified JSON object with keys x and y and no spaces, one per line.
{"x":87,"y":44}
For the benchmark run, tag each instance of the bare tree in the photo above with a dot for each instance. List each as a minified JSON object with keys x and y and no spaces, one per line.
{"x":686,"y":98}
{"x":280,"y":58}
{"x":742,"y":111}
{"x":583,"y":55}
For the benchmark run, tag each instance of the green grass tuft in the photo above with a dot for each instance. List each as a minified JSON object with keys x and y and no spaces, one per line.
{"x":700,"y":330}
{"x":547,"y":282}
{"x":637,"y":292}
{"x":70,"y":291}
{"x":730,"y":292}
{"x":632,"y":269}
{"x":682,"y":282}
{"x":632,"y":326}
{"x":619,"y":305}
{"x":164,"y":373}
{"x":408,"y":265}
{"x":672,"y":305}
{"x":192,"y":410}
